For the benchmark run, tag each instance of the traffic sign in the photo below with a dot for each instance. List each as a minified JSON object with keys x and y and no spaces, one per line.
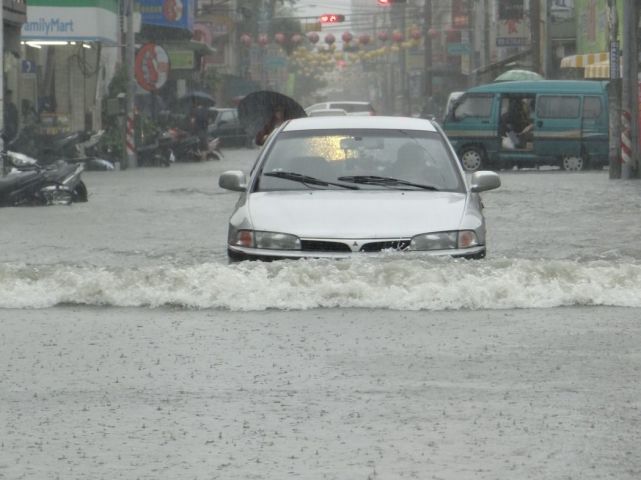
{"x":151,"y":67}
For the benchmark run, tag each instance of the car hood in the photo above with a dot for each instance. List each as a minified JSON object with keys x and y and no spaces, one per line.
{"x":356,"y":214}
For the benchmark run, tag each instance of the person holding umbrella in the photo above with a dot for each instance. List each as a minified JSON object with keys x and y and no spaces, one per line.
{"x":264,"y":111}
{"x":199,"y":119}
{"x":278,"y":117}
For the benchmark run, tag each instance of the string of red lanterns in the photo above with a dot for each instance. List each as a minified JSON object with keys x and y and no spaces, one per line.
{"x":364,"y":39}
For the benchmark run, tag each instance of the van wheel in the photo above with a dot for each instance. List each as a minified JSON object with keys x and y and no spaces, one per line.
{"x":472,"y":159}
{"x":573,"y":163}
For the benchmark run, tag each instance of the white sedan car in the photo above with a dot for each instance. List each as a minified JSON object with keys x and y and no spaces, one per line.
{"x":343,"y":186}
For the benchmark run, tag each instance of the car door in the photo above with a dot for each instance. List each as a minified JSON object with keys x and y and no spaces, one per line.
{"x":240,"y":136}
{"x":557,"y":125}
{"x":595,"y":127}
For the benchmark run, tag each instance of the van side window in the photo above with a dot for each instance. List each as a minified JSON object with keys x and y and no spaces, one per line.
{"x":474,"y":106}
{"x":558,"y":106}
{"x":592,"y":107}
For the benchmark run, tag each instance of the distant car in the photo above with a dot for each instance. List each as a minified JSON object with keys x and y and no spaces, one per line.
{"x":224,"y":124}
{"x":328,"y":112}
{"x":342,"y":186}
{"x":351,"y":108}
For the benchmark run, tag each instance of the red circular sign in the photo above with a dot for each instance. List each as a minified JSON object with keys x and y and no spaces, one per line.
{"x":151,"y":67}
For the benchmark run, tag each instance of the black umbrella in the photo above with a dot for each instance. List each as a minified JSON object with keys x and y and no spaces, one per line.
{"x":256,"y":109}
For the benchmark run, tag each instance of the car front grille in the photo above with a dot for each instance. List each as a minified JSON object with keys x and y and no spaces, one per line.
{"x":386,"y":245}
{"x":368,"y":247}
{"x":323,"y":246}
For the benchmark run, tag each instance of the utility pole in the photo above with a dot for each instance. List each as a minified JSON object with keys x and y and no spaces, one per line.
{"x":630,"y":99}
{"x":614,"y":94}
{"x":427,"y":42}
{"x":535,"y":28}
{"x":471,"y":37}
{"x":486,"y":59}
{"x":130,"y":160}
{"x":405,"y":104}
{"x":3,"y":165}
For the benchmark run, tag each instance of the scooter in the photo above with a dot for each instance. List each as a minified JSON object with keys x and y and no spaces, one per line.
{"x":29,"y":183}
{"x":75,"y":147}
{"x":185,"y":147}
{"x":154,"y":154}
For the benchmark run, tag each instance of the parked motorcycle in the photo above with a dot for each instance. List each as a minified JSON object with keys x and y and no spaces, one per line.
{"x":74,"y":147}
{"x":30,"y":183}
{"x":154,"y":154}
{"x":185,"y":147}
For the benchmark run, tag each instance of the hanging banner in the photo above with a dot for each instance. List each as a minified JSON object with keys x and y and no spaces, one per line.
{"x":167,"y":13}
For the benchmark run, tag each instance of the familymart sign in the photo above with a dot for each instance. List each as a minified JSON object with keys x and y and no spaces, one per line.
{"x":71,"y":20}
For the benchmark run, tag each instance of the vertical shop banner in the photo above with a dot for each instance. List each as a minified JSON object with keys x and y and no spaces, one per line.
{"x":512,"y":29}
{"x":460,"y":14}
{"x":511,"y":10}
{"x":167,"y":13}
{"x":592,"y":25}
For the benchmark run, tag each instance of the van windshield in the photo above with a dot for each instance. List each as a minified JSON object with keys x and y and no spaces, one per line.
{"x":475,"y":105}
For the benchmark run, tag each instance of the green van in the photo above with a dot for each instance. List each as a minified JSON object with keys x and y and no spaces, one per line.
{"x":531,"y":123}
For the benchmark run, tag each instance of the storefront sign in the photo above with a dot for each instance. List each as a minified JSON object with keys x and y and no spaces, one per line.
{"x":167,"y":13}
{"x":181,"y":59}
{"x":80,"y":20}
{"x":151,"y":67}
{"x":458,"y":48}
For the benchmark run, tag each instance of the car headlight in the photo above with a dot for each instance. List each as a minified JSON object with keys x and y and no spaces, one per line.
{"x":444,"y":240}
{"x":266,"y":240}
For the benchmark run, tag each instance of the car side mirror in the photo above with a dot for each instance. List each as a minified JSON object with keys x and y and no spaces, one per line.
{"x":234,"y":180}
{"x":485,"y":180}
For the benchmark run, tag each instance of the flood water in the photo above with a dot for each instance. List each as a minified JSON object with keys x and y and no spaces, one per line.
{"x":155,"y":236}
{"x":522,"y":365}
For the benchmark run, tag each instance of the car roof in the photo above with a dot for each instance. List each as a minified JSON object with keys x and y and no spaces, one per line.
{"x":542,"y":86}
{"x":355,"y":122}
{"x":327,"y":111}
{"x":343,"y":102}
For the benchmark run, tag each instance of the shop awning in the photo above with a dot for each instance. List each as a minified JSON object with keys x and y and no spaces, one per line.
{"x":601,"y":70}
{"x":581,"y":61}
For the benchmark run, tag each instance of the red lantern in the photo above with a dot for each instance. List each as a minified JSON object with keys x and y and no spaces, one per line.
{"x":397,"y":36}
{"x":330,"y":39}
{"x":383,"y":36}
{"x":347,"y":37}
{"x":263,"y":40}
{"x":364,"y":39}
{"x":297,"y":38}
{"x":433,"y":33}
{"x":415,"y":34}
{"x":246,"y":39}
{"x":279,"y":38}
{"x":313,"y":37}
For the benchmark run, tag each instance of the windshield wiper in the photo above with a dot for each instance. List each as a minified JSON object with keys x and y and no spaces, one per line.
{"x":298,"y":177}
{"x":384,"y":181}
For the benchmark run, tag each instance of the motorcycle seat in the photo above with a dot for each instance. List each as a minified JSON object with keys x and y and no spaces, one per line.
{"x":14,"y":180}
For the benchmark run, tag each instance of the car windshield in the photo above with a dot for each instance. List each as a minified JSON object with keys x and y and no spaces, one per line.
{"x":396,"y":159}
